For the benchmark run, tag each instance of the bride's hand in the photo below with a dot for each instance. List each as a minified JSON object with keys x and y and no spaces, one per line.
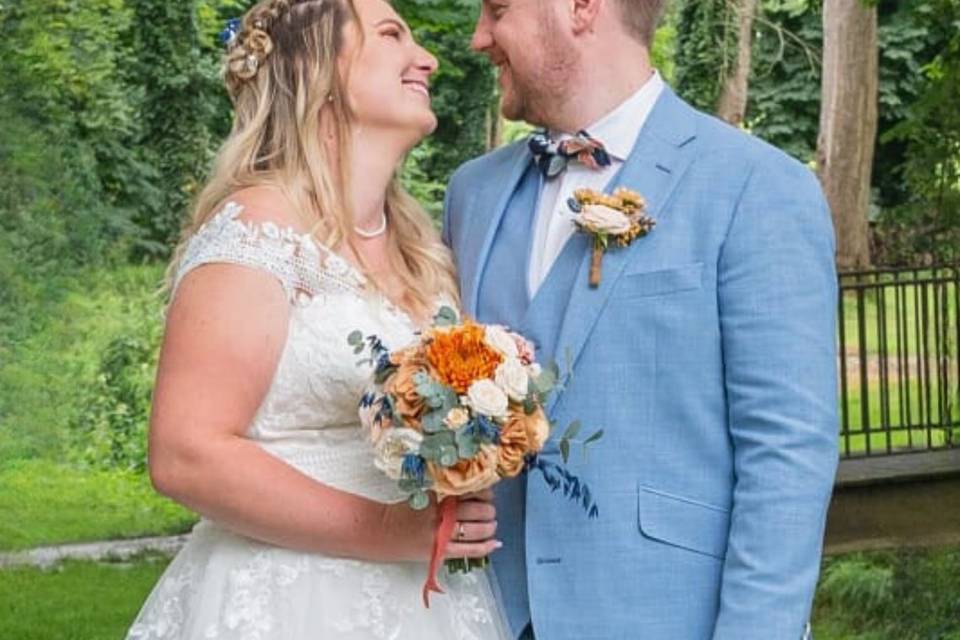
{"x":476,"y":526}
{"x":413,"y":531}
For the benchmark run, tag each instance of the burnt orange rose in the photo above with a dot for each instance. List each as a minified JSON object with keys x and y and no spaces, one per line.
{"x":401,"y":386}
{"x":520,"y":435}
{"x":467,"y":476}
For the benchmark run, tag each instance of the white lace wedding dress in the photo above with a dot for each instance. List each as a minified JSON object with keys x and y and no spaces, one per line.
{"x":225,"y":586}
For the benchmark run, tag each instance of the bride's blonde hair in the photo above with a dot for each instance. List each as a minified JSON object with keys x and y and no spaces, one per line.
{"x":281,"y":70}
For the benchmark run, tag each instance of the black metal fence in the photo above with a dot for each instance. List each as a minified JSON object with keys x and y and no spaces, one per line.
{"x":899,"y":365}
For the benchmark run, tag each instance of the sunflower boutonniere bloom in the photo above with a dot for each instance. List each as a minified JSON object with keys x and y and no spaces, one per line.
{"x":618,"y":218}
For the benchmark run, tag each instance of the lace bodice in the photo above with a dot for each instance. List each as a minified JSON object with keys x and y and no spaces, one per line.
{"x":309,"y":416}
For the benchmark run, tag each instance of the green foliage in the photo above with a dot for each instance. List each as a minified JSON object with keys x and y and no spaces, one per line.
{"x":110,"y":112}
{"x":924,"y":223}
{"x":45,"y":502}
{"x":76,"y":600}
{"x":916,"y":175}
{"x":68,"y":124}
{"x":784,"y":97}
{"x":54,"y":348}
{"x":463,"y":95}
{"x":428,"y":191}
{"x":664,"y":51}
{"x":857,"y":585}
{"x":904,"y":595}
{"x":111,"y":425}
{"x":181,"y":100}
{"x":705,"y":47}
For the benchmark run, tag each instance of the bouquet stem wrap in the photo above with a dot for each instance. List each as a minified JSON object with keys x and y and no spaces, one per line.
{"x":448,"y":520}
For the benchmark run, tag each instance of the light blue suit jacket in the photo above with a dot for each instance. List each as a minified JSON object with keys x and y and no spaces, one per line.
{"x":708,"y":356}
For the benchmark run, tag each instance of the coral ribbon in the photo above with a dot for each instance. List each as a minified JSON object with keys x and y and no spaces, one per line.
{"x":448,"y":519}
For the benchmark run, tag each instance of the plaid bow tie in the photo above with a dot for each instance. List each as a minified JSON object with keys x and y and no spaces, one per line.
{"x":552,"y":157}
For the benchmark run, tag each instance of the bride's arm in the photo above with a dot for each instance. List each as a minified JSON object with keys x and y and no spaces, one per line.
{"x":225,"y":333}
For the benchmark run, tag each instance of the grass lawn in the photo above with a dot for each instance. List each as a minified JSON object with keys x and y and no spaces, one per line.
{"x":899,"y":318}
{"x":50,"y":354}
{"x":47,"y":503}
{"x":915,"y":306}
{"x":75,"y":601}
{"x":906,"y":595}
{"x":899,"y":409}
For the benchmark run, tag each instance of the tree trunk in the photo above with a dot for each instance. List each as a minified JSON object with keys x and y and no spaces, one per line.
{"x":732,"y":105}
{"x":494,"y":124}
{"x":848,"y":123}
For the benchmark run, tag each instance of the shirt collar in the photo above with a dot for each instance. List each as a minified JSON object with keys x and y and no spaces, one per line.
{"x":619,"y":129}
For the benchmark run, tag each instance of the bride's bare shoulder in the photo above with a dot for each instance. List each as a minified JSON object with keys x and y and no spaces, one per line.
{"x":267,"y":204}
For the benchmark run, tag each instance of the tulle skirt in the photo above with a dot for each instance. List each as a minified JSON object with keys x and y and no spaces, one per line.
{"x":225,"y":586}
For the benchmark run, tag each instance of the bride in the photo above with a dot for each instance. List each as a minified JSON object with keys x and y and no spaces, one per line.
{"x":302,"y":236}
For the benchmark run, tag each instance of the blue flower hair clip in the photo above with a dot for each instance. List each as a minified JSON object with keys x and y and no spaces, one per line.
{"x":229,"y":35}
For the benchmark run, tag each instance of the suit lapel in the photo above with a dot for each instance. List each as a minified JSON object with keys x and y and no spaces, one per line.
{"x":483,"y":223}
{"x":655,"y":167}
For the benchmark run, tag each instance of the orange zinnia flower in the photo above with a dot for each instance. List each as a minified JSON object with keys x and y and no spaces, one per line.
{"x":461,"y":356}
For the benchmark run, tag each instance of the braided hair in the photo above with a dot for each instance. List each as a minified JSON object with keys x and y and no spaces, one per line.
{"x":264,"y":25}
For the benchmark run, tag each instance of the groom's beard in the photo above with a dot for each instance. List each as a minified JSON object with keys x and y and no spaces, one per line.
{"x":534,"y":96}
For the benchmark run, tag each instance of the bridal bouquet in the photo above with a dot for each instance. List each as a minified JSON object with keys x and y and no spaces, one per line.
{"x":457,"y":412}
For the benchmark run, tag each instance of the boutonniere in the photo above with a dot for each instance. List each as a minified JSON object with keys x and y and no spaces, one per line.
{"x":616,"y":219}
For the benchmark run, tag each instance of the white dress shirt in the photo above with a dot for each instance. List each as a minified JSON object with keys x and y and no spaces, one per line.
{"x":618,"y":131}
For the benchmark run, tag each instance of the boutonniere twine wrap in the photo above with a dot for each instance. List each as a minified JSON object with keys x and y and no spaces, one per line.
{"x":456,"y":412}
{"x":616,"y":219}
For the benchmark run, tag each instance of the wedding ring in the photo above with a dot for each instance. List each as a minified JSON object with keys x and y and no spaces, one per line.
{"x":460,"y":532}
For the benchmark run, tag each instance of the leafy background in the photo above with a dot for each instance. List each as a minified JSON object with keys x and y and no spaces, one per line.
{"x":110,"y":111}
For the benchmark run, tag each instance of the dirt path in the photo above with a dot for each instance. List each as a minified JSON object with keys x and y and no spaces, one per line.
{"x":45,"y":557}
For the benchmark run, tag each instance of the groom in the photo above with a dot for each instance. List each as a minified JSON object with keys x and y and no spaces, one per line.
{"x":706,"y":352}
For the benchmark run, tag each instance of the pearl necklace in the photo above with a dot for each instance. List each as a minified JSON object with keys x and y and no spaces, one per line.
{"x":379,"y":231}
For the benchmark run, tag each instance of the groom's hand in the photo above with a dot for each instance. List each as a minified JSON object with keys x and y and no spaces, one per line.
{"x":473,"y":534}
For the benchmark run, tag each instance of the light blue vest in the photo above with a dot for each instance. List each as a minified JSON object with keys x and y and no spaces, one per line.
{"x":506,"y":301}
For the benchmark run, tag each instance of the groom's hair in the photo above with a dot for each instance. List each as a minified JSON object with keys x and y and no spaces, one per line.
{"x":641,"y":18}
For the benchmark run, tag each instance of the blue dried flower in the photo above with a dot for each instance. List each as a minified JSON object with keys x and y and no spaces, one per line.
{"x":229,"y":34}
{"x":414,"y":468}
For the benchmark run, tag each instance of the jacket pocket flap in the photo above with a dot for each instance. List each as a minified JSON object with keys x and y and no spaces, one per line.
{"x":660,"y":282}
{"x":683,"y":523}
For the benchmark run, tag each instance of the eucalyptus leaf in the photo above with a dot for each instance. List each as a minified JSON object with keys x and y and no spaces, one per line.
{"x":445,"y":438}
{"x":433,"y":422}
{"x":568,"y":362}
{"x":450,"y":399}
{"x":529,"y":407}
{"x":565,"y":450}
{"x":467,"y":445}
{"x":419,"y":501}
{"x":355,"y":338}
{"x":449,"y":456}
{"x":467,"y":448}
{"x":596,"y":436}
{"x":408,"y":485}
{"x":572,"y":430}
{"x":446,"y":317}
{"x":430,"y":449}
{"x":547,"y":380}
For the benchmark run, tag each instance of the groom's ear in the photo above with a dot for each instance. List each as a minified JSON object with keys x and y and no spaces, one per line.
{"x":584,"y":14}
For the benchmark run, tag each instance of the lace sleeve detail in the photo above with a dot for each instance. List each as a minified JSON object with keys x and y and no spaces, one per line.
{"x":303,"y":267}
